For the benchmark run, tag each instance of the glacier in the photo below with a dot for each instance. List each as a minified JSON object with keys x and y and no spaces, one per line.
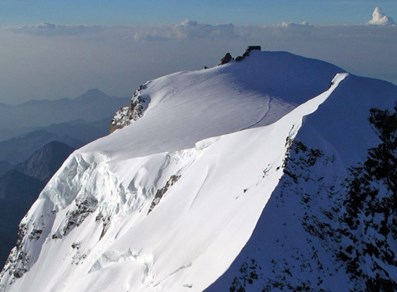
{"x":182,"y":196}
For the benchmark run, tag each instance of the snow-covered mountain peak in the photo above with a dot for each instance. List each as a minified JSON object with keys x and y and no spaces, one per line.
{"x":96,"y":203}
{"x":168,"y":202}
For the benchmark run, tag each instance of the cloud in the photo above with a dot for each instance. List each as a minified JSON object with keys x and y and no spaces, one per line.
{"x":292,"y":24}
{"x":379,"y":18}
{"x":189,"y":30}
{"x":50,"y":29}
{"x":193,"y":29}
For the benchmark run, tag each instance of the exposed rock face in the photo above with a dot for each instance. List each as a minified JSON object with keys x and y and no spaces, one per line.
{"x":78,"y":214}
{"x":138,"y":105}
{"x":226,"y":59}
{"x":247,"y":52}
{"x":160,"y":193}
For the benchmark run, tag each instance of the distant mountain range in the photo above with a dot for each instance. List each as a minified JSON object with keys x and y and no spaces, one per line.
{"x":74,"y":133}
{"x":35,"y":138}
{"x":91,"y":106}
{"x":46,"y":161}
{"x":4,"y":167}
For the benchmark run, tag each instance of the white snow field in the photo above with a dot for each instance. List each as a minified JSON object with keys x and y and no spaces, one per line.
{"x":168,"y":202}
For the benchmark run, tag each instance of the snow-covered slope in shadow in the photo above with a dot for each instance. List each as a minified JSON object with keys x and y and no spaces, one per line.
{"x":289,"y":250}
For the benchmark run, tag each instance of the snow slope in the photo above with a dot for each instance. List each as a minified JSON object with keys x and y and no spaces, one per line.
{"x":169,"y":202}
{"x":187,"y":107}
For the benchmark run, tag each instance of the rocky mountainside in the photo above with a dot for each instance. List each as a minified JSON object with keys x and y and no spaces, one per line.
{"x":17,"y":194}
{"x":228,"y":178}
{"x":20,"y":187}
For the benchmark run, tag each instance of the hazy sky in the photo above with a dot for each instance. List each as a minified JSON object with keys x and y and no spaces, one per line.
{"x":54,"y":49}
{"x":149,"y":12}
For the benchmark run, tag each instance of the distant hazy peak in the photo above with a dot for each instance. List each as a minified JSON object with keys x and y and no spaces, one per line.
{"x":43,"y":163}
{"x":55,"y":145}
{"x":92,"y":93}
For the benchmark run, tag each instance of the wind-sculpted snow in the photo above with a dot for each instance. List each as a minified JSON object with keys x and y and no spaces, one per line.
{"x":97,"y":233}
{"x":64,"y":188}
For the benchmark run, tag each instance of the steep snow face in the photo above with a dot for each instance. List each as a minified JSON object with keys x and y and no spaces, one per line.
{"x":292,"y":252}
{"x":164,"y":222}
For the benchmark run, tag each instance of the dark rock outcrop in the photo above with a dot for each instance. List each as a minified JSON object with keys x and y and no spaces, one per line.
{"x":139,"y":103}
{"x":226,"y":59}
{"x":247,"y":52}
